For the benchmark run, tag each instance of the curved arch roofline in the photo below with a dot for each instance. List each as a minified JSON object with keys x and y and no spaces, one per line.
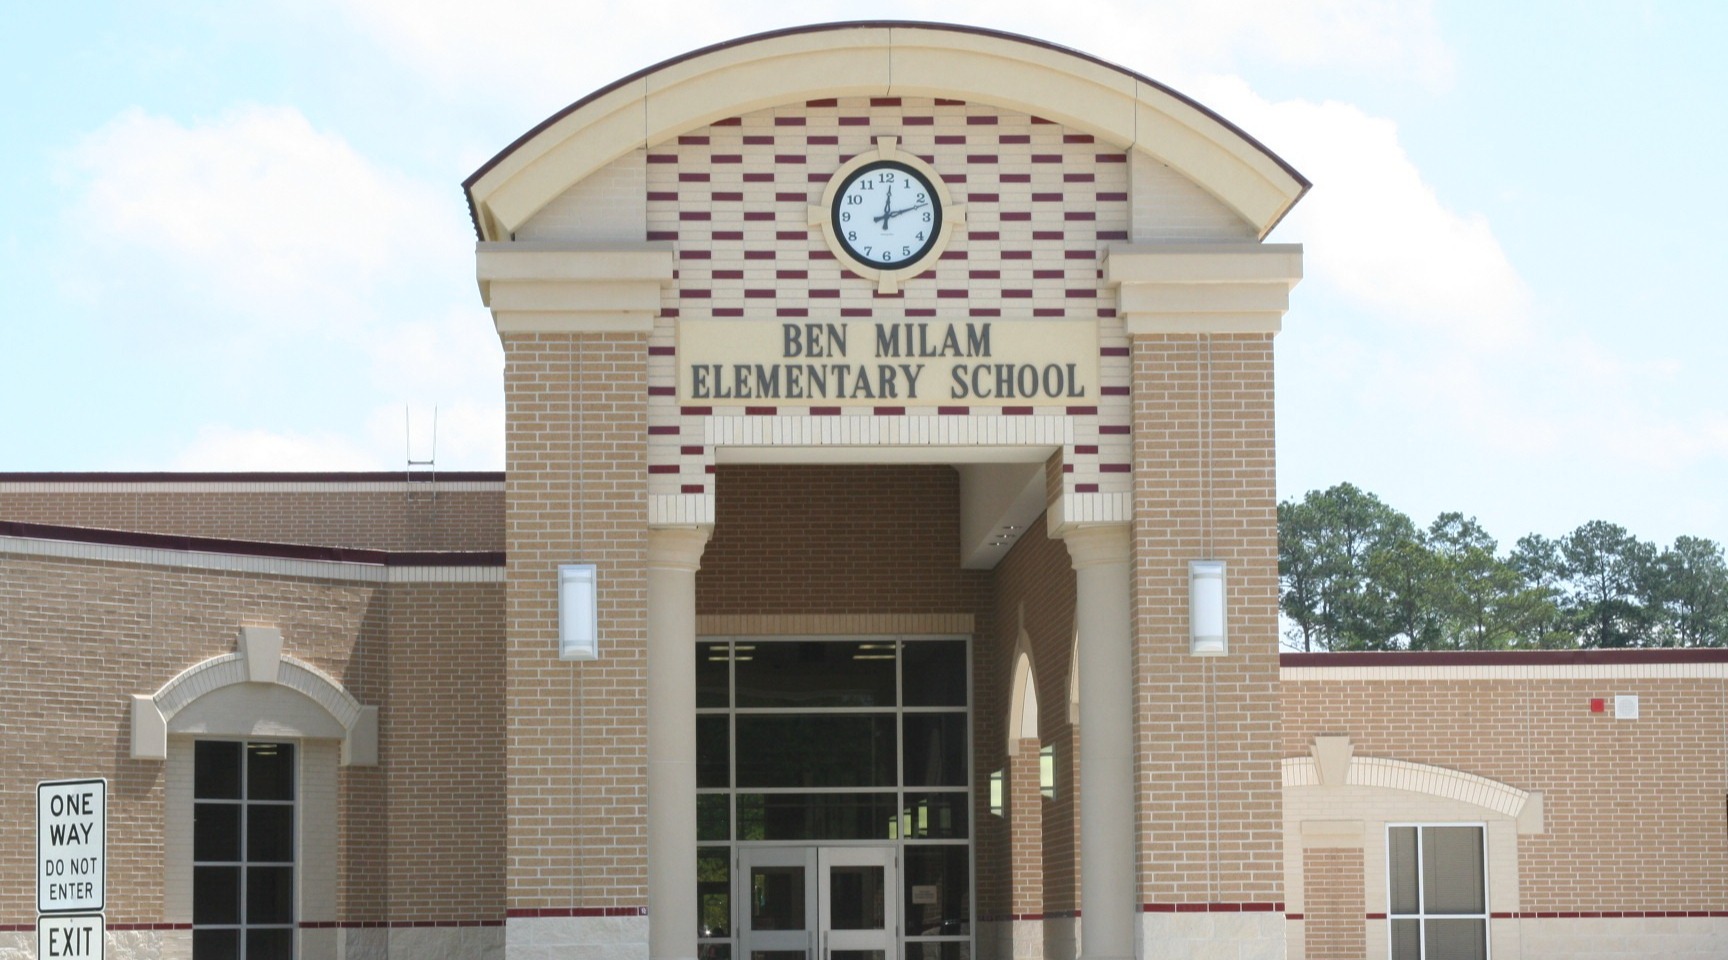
{"x":881,"y":58}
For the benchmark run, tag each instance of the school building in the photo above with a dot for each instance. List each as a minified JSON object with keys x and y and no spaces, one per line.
{"x":885,"y":566}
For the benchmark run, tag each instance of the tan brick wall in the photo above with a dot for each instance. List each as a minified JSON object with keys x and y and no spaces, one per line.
{"x":421,"y":519}
{"x":575,"y":439}
{"x":1334,"y":916}
{"x":1633,"y":809}
{"x":1209,"y":779}
{"x":442,"y":745}
{"x":77,"y":637}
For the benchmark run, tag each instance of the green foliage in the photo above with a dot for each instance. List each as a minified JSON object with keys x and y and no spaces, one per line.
{"x":1359,"y":575}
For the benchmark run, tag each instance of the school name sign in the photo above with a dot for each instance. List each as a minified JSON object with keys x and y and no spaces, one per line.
{"x":934,"y":363}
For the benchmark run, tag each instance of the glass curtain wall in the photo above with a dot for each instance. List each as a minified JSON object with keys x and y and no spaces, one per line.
{"x":832,"y":742}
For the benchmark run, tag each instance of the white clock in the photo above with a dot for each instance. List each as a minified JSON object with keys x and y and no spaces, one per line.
{"x":886,"y":215}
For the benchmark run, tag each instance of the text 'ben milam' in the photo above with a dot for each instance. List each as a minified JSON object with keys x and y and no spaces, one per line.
{"x":883,"y":380}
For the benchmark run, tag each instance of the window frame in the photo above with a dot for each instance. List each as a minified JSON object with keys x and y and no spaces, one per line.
{"x":245,"y":802}
{"x":1422,"y":916}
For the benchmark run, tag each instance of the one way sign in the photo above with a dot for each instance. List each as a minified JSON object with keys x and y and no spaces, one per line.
{"x":71,"y":846}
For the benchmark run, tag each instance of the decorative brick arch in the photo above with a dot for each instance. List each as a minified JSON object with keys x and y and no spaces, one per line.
{"x":299,"y":701}
{"x":1333,"y":764}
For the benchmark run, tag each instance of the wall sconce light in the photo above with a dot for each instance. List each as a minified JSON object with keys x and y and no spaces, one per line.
{"x":1206,"y":625}
{"x":578,"y":612}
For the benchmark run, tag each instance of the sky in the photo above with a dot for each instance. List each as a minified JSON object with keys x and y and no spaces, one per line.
{"x":237,"y":238}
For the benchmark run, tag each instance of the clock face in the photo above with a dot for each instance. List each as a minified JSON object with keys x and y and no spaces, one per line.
{"x":887,"y":215}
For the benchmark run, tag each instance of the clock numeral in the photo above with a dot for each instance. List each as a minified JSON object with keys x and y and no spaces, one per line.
{"x":919,"y":237}
{"x":922,"y":198}
{"x":866,"y":251}
{"x":866,"y":185}
{"x":852,"y":235}
{"x":886,"y":256}
{"x":926,"y":216}
{"x":845,"y":216}
{"x":854,"y":199}
{"x":905,"y":251}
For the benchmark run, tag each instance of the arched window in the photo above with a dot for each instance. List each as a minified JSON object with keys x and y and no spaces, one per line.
{"x":252,"y":741}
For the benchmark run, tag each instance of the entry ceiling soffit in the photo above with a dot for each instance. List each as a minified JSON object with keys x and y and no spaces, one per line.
{"x":864,"y":59}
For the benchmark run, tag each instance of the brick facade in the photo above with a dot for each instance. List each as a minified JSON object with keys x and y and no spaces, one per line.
{"x":576,"y":432}
{"x":1632,"y":809}
{"x":1207,"y":727}
{"x":1333,"y":920}
{"x":420,"y":836}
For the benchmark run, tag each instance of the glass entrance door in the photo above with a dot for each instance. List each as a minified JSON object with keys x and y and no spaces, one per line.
{"x":818,"y":903}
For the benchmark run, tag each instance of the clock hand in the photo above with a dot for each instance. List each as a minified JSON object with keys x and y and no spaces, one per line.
{"x":887,"y":204}
{"x":898,"y":212}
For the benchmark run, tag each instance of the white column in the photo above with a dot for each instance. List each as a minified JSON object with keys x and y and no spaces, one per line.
{"x":674,"y":554}
{"x":1109,"y":887}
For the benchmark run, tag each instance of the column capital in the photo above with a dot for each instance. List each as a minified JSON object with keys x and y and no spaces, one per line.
{"x":1203,"y":287}
{"x":677,"y":548}
{"x":1093,"y":545}
{"x":538,"y":286}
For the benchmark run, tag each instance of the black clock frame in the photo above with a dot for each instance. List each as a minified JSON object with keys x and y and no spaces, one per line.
{"x":935,"y":229}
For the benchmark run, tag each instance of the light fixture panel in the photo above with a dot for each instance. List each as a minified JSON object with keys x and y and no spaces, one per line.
{"x":1206,"y":614}
{"x":578,"y":612}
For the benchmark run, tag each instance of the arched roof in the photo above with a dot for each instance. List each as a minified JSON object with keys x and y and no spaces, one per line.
{"x":875,"y":58}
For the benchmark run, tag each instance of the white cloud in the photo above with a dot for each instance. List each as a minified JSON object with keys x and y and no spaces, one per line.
{"x":559,"y":51}
{"x":465,"y":435}
{"x":276,"y":271}
{"x":221,"y":447}
{"x":257,"y":211}
{"x":468,"y":435}
{"x":1374,"y":229}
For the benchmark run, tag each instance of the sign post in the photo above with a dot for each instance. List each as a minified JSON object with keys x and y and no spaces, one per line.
{"x":71,"y":868}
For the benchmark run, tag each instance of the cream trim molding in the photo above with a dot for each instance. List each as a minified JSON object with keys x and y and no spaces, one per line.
{"x":1203,"y":287}
{"x":185,"y":559}
{"x":259,"y":663}
{"x":546,"y":286}
{"x":1116,"y":106}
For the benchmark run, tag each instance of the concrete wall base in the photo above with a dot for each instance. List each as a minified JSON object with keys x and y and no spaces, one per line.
{"x":1213,"y":936}
{"x":1673,"y":938}
{"x":431,"y":943}
{"x":1014,"y":940}
{"x":576,"y":938}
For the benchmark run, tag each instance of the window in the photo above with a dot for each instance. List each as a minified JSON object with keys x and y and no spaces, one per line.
{"x":1437,"y":892}
{"x":243,"y":851}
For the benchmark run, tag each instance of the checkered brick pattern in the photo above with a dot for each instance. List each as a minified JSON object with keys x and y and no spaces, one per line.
{"x":1041,"y":202}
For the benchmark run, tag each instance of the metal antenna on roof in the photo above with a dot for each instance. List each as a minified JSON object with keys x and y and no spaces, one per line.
{"x":430,"y":474}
